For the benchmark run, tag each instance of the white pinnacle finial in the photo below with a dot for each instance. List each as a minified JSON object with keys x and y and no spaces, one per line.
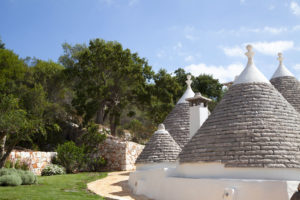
{"x":161,"y":127}
{"x":189,"y":81}
{"x":281,"y":70}
{"x":250,"y":74}
{"x":250,"y":53}
{"x":280,"y":58}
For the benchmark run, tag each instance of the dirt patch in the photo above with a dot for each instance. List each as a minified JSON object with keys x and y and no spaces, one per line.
{"x":114,"y":187}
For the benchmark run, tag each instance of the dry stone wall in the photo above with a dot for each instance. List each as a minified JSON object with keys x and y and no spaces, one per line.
{"x":36,"y":160}
{"x":120,"y":155}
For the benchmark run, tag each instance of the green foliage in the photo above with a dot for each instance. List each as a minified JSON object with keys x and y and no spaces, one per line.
{"x":14,"y":177}
{"x":10,"y":180}
{"x":5,"y":171}
{"x":2,"y":45}
{"x":163,"y":95}
{"x":23,"y":105}
{"x":70,"y":156}
{"x":28,"y":178}
{"x":12,"y":118}
{"x":140,"y":131}
{"x":21,"y":165}
{"x":91,"y":139}
{"x":8,"y":164}
{"x":52,"y":169}
{"x":94,"y":164}
{"x":106,"y":78}
{"x":209,"y":87}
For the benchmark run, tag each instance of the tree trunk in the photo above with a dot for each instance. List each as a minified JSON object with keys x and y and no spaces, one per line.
{"x":6,"y":154}
{"x":100,"y":115}
{"x":2,"y":146}
{"x":112,"y":124}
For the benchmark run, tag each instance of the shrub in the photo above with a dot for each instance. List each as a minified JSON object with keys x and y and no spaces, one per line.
{"x":21,"y":165}
{"x":51,"y":170}
{"x":5,"y":171}
{"x":10,"y":180}
{"x":70,"y":156}
{"x":11,"y":177}
{"x":28,"y":178}
{"x":8,"y":164}
{"x":94,"y":164}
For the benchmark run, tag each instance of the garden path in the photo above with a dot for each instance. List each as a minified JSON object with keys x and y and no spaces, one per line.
{"x":114,"y":187}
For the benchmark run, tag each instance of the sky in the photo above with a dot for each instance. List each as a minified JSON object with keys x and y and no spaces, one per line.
{"x":196,"y":35}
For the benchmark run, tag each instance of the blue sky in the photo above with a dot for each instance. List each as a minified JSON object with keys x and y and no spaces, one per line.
{"x":199,"y":36}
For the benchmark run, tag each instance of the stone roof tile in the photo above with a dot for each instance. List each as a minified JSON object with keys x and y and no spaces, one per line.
{"x":178,"y":123}
{"x":160,"y":148}
{"x":289,"y":87}
{"x":252,"y":126}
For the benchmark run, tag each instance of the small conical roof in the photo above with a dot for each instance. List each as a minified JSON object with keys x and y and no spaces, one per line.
{"x":160,"y":148}
{"x":284,"y":81}
{"x":281,"y":71}
{"x":252,"y":126}
{"x":188,"y":92}
{"x":250,"y":74}
{"x":178,"y":120}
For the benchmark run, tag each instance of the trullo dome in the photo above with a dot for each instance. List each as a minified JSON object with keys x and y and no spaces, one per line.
{"x":285,"y":82}
{"x":252,"y":127}
{"x":178,"y":120}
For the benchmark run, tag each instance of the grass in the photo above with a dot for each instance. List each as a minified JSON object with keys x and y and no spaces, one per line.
{"x":59,"y":187}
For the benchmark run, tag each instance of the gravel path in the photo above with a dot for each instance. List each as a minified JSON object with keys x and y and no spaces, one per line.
{"x":114,"y":187}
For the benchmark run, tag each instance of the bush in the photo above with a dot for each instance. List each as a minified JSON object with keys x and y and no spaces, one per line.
{"x":70,"y":156}
{"x":51,"y":170}
{"x":21,"y":165}
{"x":10,"y":180}
{"x":8,"y":164}
{"x":12,"y":177}
{"x":5,"y":171}
{"x":28,"y":178}
{"x":94,"y":164}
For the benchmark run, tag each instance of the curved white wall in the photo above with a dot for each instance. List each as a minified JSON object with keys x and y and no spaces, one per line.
{"x":211,"y":181}
{"x":217,"y":170}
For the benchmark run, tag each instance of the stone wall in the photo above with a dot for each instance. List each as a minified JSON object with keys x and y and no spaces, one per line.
{"x":120,"y":154}
{"x":36,"y":160}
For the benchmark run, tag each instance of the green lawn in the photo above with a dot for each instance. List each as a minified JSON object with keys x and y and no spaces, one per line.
{"x":60,"y":187}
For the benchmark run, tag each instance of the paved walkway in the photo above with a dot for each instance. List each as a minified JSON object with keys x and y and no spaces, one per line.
{"x":114,"y":187}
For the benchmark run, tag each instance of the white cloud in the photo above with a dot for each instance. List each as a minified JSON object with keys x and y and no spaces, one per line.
{"x":271,"y":7}
{"x":295,"y":8}
{"x":189,"y":58}
{"x":190,"y":33}
{"x":296,"y":67}
{"x":233,"y":51}
{"x":274,"y":30}
{"x":242,"y":1}
{"x":161,"y":54}
{"x":272,"y":48}
{"x":267,"y":48}
{"x":177,"y":46}
{"x":223,"y":73}
{"x":266,"y":29}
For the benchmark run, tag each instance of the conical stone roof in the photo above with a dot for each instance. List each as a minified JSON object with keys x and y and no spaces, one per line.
{"x":178,"y":120}
{"x":160,"y":148}
{"x":252,"y":126}
{"x":284,"y":81}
